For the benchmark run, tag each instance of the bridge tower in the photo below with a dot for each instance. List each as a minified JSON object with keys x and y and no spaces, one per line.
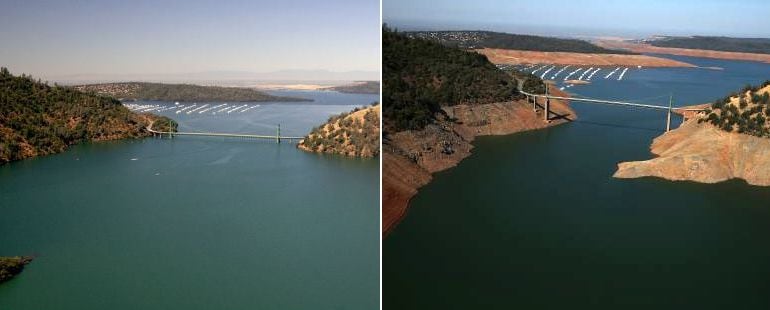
{"x":278,"y":134}
{"x":547,"y":104}
{"x":668,"y":116}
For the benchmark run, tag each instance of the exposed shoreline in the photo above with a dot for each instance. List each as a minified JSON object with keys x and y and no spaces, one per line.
{"x":703,"y":153}
{"x":515,"y":57}
{"x":647,"y":48}
{"x":411,"y":157}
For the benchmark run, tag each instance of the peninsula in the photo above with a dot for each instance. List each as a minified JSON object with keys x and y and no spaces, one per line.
{"x":181,"y":92}
{"x":687,"y":48}
{"x":513,"y":49}
{"x":729,"y":140}
{"x":362,"y":87}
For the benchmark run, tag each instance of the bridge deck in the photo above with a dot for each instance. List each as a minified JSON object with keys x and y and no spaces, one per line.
{"x":227,"y":135}
{"x":612,"y":102}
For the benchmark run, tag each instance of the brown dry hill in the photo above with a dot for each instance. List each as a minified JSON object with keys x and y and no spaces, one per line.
{"x":356,"y":133}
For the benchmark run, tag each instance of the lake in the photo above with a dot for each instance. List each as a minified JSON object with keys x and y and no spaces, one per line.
{"x":195,"y":222}
{"x":535,"y":220}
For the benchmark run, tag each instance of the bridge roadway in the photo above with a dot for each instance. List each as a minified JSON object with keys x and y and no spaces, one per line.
{"x":547,"y":96}
{"x":277,"y":138}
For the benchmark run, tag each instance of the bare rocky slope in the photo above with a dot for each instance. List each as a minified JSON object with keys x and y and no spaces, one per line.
{"x":704,"y":153}
{"x":725,"y":143}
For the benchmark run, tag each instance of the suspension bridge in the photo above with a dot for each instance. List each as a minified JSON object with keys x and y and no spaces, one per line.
{"x":547,"y":98}
{"x":277,"y":137}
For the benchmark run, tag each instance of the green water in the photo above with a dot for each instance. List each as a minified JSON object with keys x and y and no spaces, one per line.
{"x":536,"y":221}
{"x":195,"y":223}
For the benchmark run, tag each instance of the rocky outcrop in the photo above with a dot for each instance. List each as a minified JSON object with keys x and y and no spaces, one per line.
{"x":11,"y":266}
{"x":703,"y":153}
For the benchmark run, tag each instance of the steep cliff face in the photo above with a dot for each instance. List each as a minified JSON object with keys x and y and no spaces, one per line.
{"x":704,"y":153}
{"x":355,"y":134}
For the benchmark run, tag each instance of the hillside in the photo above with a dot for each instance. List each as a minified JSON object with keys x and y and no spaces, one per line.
{"x":725,"y":44}
{"x":420,"y":76}
{"x":364,"y":87}
{"x":38,"y":119}
{"x":725,"y":142}
{"x":744,"y":112}
{"x":11,"y":266}
{"x":498,"y":40}
{"x":437,"y":100}
{"x":181,"y":92}
{"x":356,"y":133}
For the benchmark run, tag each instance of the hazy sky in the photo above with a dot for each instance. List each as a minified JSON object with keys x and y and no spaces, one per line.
{"x":682,"y":17}
{"x":51,"y":38}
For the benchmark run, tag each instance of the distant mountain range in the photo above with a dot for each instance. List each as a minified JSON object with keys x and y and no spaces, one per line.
{"x":286,"y":76}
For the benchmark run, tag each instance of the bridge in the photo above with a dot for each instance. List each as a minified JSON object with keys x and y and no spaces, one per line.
{"x":547,"y":97}
{"x":277,"y":137}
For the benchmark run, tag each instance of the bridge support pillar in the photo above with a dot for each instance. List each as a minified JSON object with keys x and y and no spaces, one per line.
{"x":534,"y":104}
{"x":547,"y":109}
{"x":278,"y":135}
{"x":668,"y":116}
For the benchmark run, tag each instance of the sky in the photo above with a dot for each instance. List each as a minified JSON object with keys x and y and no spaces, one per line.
{"x":107,"y":38}
{"x":629,"y":18}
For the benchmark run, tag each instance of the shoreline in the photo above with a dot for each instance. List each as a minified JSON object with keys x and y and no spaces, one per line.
{"x":515,"y":57}
{"x":409,"y":160}
{"x":650,"y":49}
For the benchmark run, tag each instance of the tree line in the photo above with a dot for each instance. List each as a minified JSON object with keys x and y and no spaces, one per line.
{"x":420,"y":76}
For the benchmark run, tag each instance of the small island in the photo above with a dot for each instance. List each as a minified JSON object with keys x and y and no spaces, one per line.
{"x":39,"y":119}
{"x":182,"y":92}
{"x":729,"y":140}
{"x":355,"y":134}
{"x":12,"y":266}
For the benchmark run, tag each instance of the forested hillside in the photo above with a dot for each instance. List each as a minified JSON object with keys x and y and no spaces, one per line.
{"x":38,"y":119}
{"x":488,"y":39}
{"x":365,"y":87}
{"x":421,"y":75}
{"x":181,"y":92}
{"x":355,"y":133}
{"x":725,"y":44}
{"x":746,"y":112}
